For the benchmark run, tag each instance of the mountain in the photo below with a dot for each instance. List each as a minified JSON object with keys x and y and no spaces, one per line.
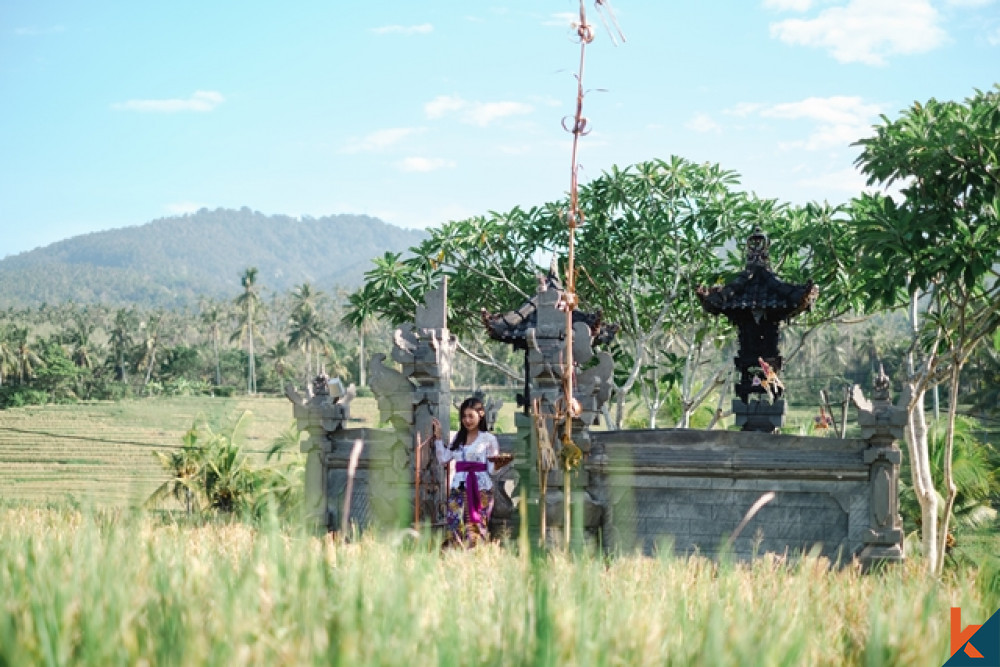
{"x":171,"y":262}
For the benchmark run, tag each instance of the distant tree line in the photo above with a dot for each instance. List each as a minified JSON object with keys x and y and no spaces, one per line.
{"x":255,"y":342}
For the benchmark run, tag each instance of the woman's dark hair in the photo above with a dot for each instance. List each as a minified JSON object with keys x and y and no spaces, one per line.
{"x":472,"y":403}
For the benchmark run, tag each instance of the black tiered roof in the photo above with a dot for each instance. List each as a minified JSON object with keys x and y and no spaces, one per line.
{"x":757,"y":290}
{"x":512,"y":327}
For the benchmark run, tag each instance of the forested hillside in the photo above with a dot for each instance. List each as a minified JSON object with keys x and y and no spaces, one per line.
{"x":171,"y":262}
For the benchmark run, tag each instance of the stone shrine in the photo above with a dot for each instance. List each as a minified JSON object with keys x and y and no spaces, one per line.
{"x":756,"y":302}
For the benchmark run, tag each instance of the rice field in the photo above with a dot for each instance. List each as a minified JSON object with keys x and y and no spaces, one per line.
{"x":118,"y":588}
{"x":101,"y":453}
{"x":86,"y":578}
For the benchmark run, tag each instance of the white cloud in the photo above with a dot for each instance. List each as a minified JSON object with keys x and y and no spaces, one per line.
{"x":380,"y":139}
{"x":474,"y":113}
{"x":484,"y":113}
{"x":840,"y":120}
{"x":846,"y":180}
{"x":424,"y":164}
{"x":702,"y":122}
{"x":867,"y":31}
{"x":421,"y":29}
{"x":444,"y":104}
{"x":202,"y":100}
{"x":788,"y":5}
{"x":968,"y":3}
{"x":744,"y":109}
{"x":852,"y":181}
{"x":994,"y":37}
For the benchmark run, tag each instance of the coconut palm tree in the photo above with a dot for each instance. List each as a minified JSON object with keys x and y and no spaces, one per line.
{"x":184,"y":466}
{"x":150,"y":346}
{"x":249,"y":304}
{"x":278,"y":355}
{"x":7,"y":356}
{"x":26,"y":360}
{"x":78,"y":337}
{"x":121,"y":340}
{"x":212,"y":316}
{"x":360,"y":315}
{"x":305,"y":296}
{"x":307,"y":332}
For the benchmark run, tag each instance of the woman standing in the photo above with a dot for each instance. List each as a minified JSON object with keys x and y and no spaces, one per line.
{"x":470,"y":498}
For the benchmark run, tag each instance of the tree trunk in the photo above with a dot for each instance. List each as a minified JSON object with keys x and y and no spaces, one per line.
{"x":309,"y":361}
{"x":218,"y":366}
{"x":949,"y":450}
{"x":251,"y":371}
{"x":362,"y":369}
{"x":923,"y":481}
{"x":149,"y":370}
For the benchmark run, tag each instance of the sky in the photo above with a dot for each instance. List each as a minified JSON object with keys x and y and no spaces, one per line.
{"x":113,"y":114}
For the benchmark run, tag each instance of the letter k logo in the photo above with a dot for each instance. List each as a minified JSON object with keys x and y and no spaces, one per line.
{"x":960,"y":636}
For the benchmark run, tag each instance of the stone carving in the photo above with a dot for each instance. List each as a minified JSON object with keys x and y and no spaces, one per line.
{"x":321,"y":416}
{"x":408,"y":399}
{"x":882,"y":425}
{"x":419,"y":392}
{"x":539,"y":328}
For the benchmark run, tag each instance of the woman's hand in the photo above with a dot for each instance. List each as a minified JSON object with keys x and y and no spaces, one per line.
{"x":435,"y":429}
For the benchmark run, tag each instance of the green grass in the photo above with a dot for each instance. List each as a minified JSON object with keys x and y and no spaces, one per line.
{"x":101,"y":453}
{"x":86,"y":580}
{"x":113,"y":588}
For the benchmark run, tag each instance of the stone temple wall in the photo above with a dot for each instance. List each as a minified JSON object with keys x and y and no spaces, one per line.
{"x":690,"y":491}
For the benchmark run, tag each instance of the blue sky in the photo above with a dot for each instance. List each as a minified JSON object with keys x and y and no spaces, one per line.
{"x":118,"y":113}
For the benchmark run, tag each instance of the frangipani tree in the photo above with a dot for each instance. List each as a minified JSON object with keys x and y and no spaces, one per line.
{"x":937,"y":243}
{"x":653,"y":233}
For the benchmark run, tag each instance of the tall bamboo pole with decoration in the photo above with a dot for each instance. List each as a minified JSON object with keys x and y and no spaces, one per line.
{"x":570,"y":453}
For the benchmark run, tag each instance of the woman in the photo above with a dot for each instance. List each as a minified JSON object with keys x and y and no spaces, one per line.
{"x":470,"y":498}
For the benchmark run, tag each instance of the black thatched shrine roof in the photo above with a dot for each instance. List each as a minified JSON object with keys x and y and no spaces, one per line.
{"x":757,"y":290}
{"x":512,"y":327}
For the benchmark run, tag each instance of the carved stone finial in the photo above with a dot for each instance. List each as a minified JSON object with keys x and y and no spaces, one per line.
{"x":321,"y":385}
{"x":881,"y":386}
{"x":758,"y":249}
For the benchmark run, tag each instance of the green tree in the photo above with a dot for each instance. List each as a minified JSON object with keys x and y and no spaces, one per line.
{"x":26,"y":360}
{"x":212,"y":317}
{"x":249,"y":304}
{"x":307,"y":331}
{"x":184,"y":466}
{"x":360,"y":315}
{"x":121,"y":340}
{"x":150,"y":347}
{"x":652,"y":233}
{"x":7,"y":352}
{"x":278,"y":355}
{"x":938,"y":244}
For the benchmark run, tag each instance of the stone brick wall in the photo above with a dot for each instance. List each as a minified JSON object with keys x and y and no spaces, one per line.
{"x":690,"y":490}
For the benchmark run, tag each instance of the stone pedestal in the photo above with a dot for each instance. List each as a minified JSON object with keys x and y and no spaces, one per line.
{"x":882,"y":425}
{"x":760,"y":415}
